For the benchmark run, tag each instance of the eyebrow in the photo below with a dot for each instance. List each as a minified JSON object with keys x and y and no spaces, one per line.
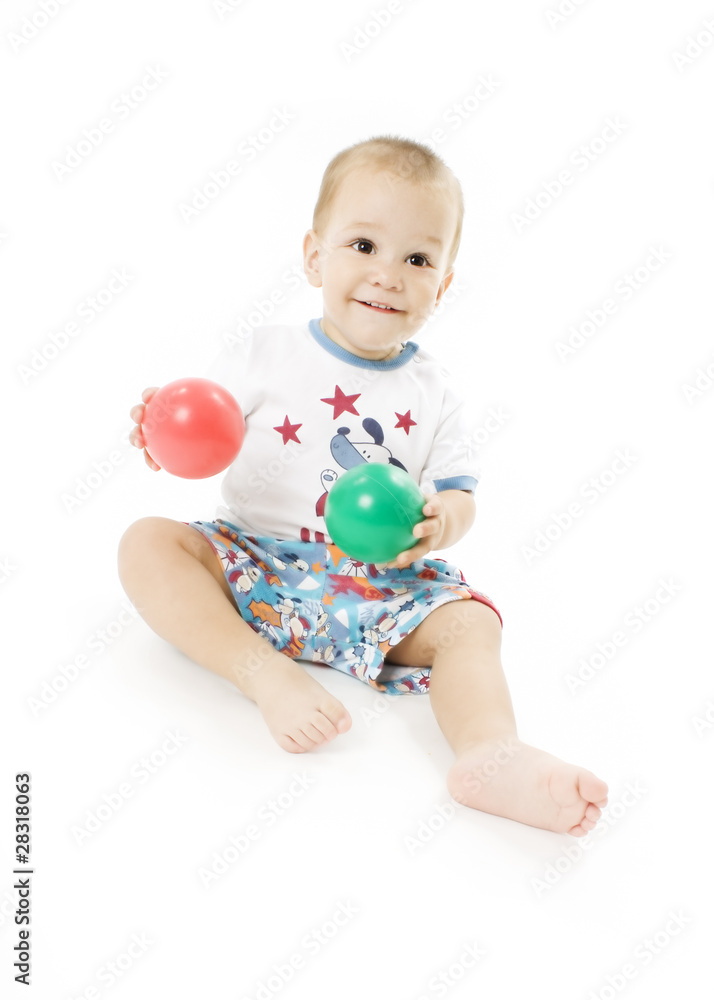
{"x":434,"y":240}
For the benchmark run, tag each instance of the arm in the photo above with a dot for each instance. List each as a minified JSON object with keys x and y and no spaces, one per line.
{"x":449,"y":515}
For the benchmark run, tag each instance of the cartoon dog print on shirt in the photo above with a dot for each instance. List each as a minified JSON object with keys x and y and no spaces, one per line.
{"x":348,"y":454}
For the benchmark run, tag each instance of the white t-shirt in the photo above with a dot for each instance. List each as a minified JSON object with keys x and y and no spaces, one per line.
{"x":313,"y":410}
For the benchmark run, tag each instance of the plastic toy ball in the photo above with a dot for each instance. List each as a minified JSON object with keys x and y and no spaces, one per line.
{"x":193,"y":428}
{"x":371,"y":511}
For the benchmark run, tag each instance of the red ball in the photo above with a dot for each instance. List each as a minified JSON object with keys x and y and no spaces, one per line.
{"x":193,"y":428}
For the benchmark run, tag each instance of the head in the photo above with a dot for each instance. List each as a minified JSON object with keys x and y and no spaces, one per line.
{"x":386,"y":230}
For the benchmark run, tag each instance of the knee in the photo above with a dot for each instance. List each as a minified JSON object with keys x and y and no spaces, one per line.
{"x":152,"y":539}
{"x":139,"y":541}
{"x":471,"y":620}
{"x":485,"y":624}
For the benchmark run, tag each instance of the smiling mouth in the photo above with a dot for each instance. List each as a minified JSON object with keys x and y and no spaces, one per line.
{"x":379,"y":306}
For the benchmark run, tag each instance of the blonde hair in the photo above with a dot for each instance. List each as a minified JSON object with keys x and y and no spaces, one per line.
{"x":404,"y":158}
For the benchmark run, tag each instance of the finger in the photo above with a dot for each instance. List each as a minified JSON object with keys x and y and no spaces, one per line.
{"x":433,"y":506}
{"x":148,"y":393}
{"x":150,"y":462}
{"x":426,"y":528}
{"x":137,"y":413}
{"x":409,"y":556}
{"x":136,"y":438}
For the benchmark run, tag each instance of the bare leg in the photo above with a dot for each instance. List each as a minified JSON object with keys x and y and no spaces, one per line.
{"x":494,"y":771}
{"x":175,"y":580}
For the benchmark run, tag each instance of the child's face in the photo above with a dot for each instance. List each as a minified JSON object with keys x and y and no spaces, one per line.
{"x":386,"y":241}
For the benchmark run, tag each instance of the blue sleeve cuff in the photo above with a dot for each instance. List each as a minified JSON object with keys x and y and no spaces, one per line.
{"x":456,"y":483}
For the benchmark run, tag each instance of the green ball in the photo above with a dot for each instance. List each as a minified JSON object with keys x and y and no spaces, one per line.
{"x":371,"y":511}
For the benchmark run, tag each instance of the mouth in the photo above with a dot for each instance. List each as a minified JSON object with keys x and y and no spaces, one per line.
{"x":379,"y":306}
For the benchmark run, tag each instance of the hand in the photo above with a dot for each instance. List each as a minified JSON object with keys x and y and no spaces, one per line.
{"x":431,"y":531}
{"x":135,"y":436}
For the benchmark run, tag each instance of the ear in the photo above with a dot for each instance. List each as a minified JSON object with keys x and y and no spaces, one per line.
{"x":312,"y":252}
{"x":443,"y":286}
{"x":374,"y":429}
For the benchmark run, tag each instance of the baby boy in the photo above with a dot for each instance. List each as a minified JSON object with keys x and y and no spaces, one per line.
{"x":262,"y":587}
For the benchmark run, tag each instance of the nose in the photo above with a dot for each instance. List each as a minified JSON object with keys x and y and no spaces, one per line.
{"x":385,"y":273}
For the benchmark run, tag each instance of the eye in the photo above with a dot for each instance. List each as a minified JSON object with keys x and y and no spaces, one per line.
{"x":360,"y":246}
{"x":418,"y":259}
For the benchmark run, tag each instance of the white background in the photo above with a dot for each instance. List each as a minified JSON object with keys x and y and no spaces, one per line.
{"x":342,"y":841}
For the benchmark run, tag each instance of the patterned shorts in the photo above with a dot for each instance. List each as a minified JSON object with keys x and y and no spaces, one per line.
{"x":312,"y":602}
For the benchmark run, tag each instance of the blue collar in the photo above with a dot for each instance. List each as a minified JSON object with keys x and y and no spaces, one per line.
{"x":403,"y":358}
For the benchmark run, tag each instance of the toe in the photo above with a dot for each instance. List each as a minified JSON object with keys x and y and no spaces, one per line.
{"x":313,"y":732}
{"x":588,"y":822}
{"x":325,"y":728}
{"x":591,"y":787}
{"x":291,"y":745}
{"x":338,"y":715}
{"x":304,"y":737}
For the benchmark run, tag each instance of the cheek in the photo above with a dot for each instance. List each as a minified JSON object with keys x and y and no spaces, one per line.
{"x":427,"y":293}
{"x":341,"y":272}
{"x":433,"y":292}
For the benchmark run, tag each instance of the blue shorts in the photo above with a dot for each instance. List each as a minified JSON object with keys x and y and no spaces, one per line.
{"x":312,"y":602}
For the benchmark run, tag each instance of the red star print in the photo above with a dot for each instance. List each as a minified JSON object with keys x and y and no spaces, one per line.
{"x":405,"y":420}
{"x":288,"y":431}
{"x":341,"y":402}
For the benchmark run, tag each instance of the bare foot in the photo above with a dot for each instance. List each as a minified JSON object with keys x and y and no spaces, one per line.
{"x":300,"y":713}
{"x":511,"y":779}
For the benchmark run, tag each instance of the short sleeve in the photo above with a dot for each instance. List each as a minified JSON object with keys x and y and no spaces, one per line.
{"x":453,"y":462}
